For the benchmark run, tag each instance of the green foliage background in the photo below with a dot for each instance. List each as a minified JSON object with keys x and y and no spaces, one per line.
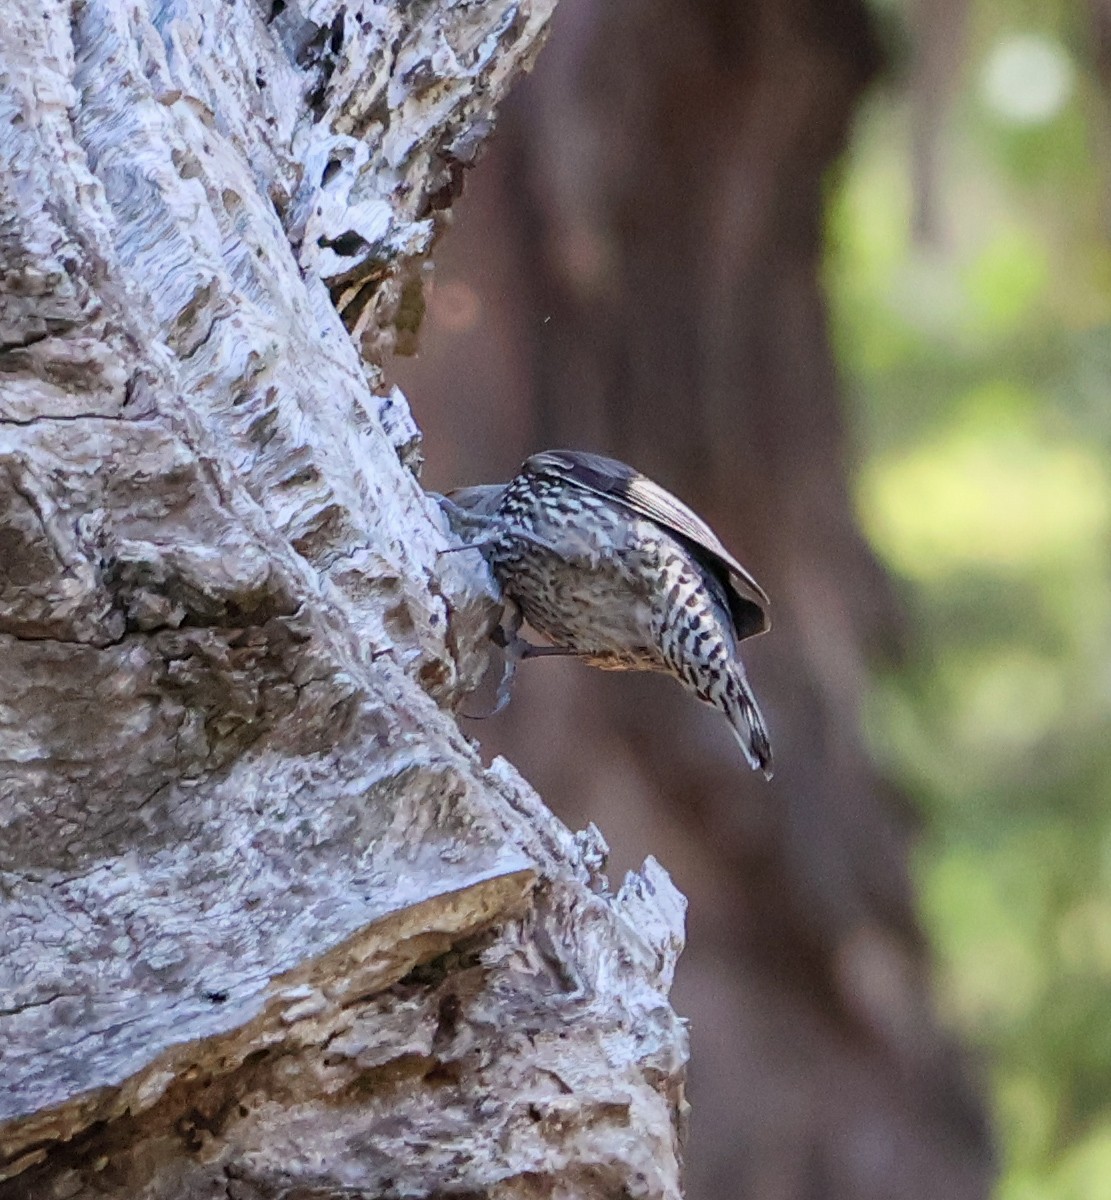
{"x":979,"y":363}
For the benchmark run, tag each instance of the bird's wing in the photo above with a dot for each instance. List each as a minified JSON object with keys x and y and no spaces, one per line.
{"x":748,"y":601}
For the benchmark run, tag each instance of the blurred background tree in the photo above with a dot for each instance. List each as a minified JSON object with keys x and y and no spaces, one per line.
{"x":839,"y":275}
{"x":976,"y":353}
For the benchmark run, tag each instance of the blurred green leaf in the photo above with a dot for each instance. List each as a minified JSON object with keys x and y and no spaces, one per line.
{"x":980,"y":367}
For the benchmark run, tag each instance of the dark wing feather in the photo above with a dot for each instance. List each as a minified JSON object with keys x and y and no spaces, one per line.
{"x":607,"y":477}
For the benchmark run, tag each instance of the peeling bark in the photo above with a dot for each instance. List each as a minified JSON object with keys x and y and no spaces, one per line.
{"x":267,"y":925}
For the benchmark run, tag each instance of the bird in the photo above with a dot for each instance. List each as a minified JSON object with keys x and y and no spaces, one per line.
{"x":614,"y":570}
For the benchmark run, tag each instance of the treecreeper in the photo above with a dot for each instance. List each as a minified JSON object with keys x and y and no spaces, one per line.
{"x":611,"y":568}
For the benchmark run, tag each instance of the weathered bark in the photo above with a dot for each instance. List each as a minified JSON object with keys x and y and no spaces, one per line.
{"x":645,"y":252}
{"x":267,"y":926}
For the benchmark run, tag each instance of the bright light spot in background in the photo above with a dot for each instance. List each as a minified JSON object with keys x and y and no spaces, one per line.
{"x":1027,"y":79}
{"x":993,"y":493}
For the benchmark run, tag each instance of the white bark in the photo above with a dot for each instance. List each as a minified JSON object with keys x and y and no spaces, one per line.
{"x":267,"y":925}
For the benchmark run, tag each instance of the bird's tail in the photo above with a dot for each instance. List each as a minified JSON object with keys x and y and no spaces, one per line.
{"x":747,"y":721}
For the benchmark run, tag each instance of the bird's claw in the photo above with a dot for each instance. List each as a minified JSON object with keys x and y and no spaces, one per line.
{"x":509,"y":643}
{"x":505,"y":685}
{"x":515,"y":649}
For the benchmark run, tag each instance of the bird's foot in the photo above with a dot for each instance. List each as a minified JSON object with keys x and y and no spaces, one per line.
{"x":516,"y":649}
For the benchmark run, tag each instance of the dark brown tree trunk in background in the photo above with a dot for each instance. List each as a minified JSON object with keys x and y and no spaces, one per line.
{"x":641,"y":275}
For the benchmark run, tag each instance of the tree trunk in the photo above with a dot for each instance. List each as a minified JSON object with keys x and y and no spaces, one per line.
{"x":267,"y":926}
{"x":640,"y":274}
